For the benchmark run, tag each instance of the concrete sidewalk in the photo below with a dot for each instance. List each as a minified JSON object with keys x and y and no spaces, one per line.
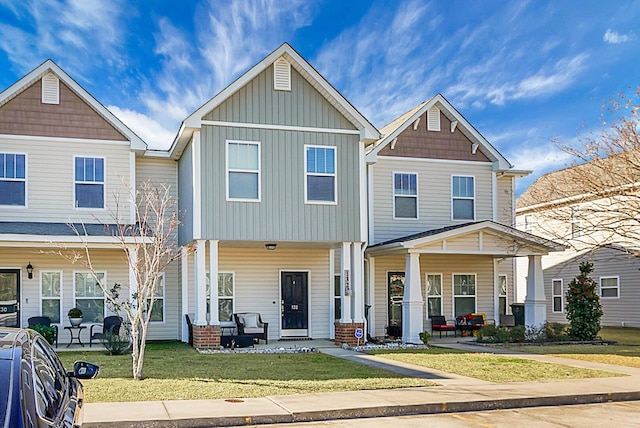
{"x":455,"y":394}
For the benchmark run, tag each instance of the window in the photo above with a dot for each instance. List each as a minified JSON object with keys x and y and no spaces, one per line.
{"x":243,"y":169}
{"x":464,"y":294}
{"x":528,"y":223}
{"x":89,"y":295}
{"x":50,"y":295}
{"x":405,"y":195}
{"x":463,"y":198}
{"x":575,"y":222}
{"x":12,"y":179}
{"x":434,"y":295}
{"x":225,"y":295}
{"x":157,"y":312}
{"x":89,"y":173}
{"x":337,"y":298}
{"x":502,"y":294}
{"x":320,"y":174}
{"x":556,"y":292}
{"x":609,"y":287}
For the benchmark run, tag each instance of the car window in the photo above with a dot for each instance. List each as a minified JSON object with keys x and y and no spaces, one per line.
{"x":49,"y":380}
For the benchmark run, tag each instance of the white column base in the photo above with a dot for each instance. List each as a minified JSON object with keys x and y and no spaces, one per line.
{"x":535,"y":312}
{"x":412,"y":326}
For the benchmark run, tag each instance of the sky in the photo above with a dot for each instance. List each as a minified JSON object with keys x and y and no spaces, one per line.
{"x":521,"y":72}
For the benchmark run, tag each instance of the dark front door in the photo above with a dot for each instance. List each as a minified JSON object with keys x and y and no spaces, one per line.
{"x":9,"y":298}
{"x":295,"y":307}
{"x":395,"y":281}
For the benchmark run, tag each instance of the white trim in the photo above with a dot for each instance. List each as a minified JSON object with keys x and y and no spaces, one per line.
{"x":447,"y":161}
{"x":334,"y":175}
{"x":49,"y":89}
{"x":362,"y":176}
{"x":17,"y":240}
{"x":214,"y":270}
{"x":554,"y":295}
{"x":433,"y":119}
{"x":184,"y":285}
{"x":60,"y":297}
{"x":244,"y":171}
{"x":61,"y":139}
{"x":281,"y":127}
{"x":104,"y":298}
{"x":104,"y":183}
{"x":372,"y":296}
{"x":370,"y":204}
{"x":494,"y":196}
{"x":454,"y":295}
{"x":393,"y":196}
{"x":426,"y":293}
{"x":296,"y":332}
{"x":281,"y":69}
{"x":196,"y":165}
{"x":132,"y":188}
{"x":617,"y":287}
{"x":466,"y":198}
{"x":332,"y":293}
{"x":26,"y":181}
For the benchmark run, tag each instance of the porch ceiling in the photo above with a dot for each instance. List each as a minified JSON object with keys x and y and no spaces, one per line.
{"x":480,"y":238}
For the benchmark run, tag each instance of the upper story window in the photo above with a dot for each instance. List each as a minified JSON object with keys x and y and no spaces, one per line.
{"x":463,"y":197}
{"x":576,"y":222}
{"x":243,"y":169}
{"x":610,"y":287}
{"x":405,"y":195}
{"x":528,"y":223}
{"x":89,"y":182}
{"x":320,"y":174}
{"x":12,"y":179}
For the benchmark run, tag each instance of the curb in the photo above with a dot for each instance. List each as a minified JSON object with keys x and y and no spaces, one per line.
{"x":380,"y":411}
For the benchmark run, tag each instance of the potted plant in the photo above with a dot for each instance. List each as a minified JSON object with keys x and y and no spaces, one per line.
{"x":75,"y":316}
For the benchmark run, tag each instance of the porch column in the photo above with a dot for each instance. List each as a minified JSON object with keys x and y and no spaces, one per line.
{"x":535,"y":303}
{"x":200,"y":284}
{"x":412,"y":304}
{"x":371,"y":319}
{"x":213,"y":283}
{"x":184,"y":268}
{"x":345,"y":282}
{"x":357,"y":283}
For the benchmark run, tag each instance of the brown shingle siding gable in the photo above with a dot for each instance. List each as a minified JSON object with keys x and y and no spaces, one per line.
{"x":25,"y":114}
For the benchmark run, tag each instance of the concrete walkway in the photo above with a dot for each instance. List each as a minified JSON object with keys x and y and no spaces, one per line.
{"x":455,"y":394}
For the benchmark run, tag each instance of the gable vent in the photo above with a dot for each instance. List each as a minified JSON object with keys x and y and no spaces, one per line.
{"x":281,"y":75}
{"x":50,"y":89}
{"x":433,"y":119}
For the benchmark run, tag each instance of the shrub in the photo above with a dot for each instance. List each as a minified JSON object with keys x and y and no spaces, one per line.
{"x":583,"y":305}
{"x":494,"y":334}
{"x":49,"y":333}
{"x":555,"y":332}
{"x":517,"y":333}
{"x":116,"y":344}
{"x":425,"y":336}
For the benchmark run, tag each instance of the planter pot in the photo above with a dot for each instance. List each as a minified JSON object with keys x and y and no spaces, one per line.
{"x":75,"y":322}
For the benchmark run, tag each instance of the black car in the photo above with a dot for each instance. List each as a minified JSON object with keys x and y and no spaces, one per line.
{"x":35,"y":390}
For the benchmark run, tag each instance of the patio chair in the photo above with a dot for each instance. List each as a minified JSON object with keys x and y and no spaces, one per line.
{"x":440,"y":324}
{"x":189,"y":329}
{"x":45,"y":321}
{"x":250,"y":324}
{"x":110,"y":325}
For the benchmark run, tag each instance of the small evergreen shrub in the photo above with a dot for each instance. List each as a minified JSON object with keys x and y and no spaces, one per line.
{"x":583,"y":305}
{"x":555,"y":332}
{"x":494,"y":334}
{"x":49,"y":333}
{"x":424,"y":337}
{"x":115,"y":344}
{"x":517,"y":333}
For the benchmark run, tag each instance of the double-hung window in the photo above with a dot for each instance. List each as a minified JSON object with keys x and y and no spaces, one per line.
{"x":50,"y":282}
{"x":434,"y":295}
{"x":502,"y":294}
{"x":556,"y":292}
{"x":463,"y":197}
{"x":610,"y":287}
{"x":157,"y":311}
{"x":320,"y":174}
{"x":12,"y":179}
{"x":89,"y":297}
{"x":405,"y":195}
{"x":243,"y":170}
{"x":225,"y":295}
{"x":464,"y":294}
{"x":89,"y":182}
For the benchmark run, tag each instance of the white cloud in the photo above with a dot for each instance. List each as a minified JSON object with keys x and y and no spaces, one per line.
{"x":613,"y":37}
{"x":151,"y":132}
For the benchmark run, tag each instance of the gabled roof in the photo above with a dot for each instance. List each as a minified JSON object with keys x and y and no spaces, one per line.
{"x":50,"y":66}
{"x":193,"y":122}
{"x":394,"y":128}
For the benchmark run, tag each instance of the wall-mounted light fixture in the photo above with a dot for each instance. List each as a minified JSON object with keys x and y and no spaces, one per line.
{"x":30,"y":271}
{"x":270,"y":247}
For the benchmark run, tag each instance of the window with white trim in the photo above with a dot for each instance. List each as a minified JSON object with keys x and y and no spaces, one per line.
{"x":320,"y":174}
{"x":434,"y":295}
{"x":405,"y":195}
{"x":464,"y":294}
{"x":89,"y":297}
{"x":243,"y":170}
{"x":157,"y":311}
{"x":226,"y":289}
{"x":337,"y":298}
{"x":556,"y":293}
{"x":502,"y":294}
{"x":528,"y":223}
{"x":576,"y":222}
{"x":609,"y":287}
{"x":89,"y":182}
{"x":463,"y":197}
{"x":13,"y":182}
{"x":50,"y":306}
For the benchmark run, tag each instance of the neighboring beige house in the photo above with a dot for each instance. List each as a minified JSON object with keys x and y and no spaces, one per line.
{"x":63,"y":158}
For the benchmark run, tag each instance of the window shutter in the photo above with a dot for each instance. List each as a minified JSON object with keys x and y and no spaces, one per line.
{"x":50,"y":89}
{"x":281,"y":75}
{"x":433,"y":119}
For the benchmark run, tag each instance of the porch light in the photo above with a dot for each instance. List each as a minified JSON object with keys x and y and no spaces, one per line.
{"x":30,"y":271}
{"x":270,"y":247}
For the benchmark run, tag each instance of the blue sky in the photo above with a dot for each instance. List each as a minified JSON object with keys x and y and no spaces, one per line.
{"x":522,"y":72}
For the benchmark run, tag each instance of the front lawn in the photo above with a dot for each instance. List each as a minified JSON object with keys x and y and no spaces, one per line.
{"x":489,"y":367}
{"x":175,"y":371}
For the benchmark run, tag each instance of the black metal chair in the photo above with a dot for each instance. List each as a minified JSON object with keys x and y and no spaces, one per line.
{"x":110,"y":325}
{"x":440,"y":324}
{"x":45,"y":321}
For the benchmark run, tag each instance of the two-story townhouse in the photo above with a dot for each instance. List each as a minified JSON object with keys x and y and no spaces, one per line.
{"x":66,"y":159}
{"x":272,"y":183}
{"x":558,"y":206}
{"x":441,"y":235}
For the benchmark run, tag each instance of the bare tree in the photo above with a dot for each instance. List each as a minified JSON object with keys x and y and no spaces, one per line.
{"x":597,"y":200}
{"x":150,"y":246}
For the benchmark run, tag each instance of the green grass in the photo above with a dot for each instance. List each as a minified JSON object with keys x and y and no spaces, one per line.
{"x":489,"y":367}
{"x":175,"y":371}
